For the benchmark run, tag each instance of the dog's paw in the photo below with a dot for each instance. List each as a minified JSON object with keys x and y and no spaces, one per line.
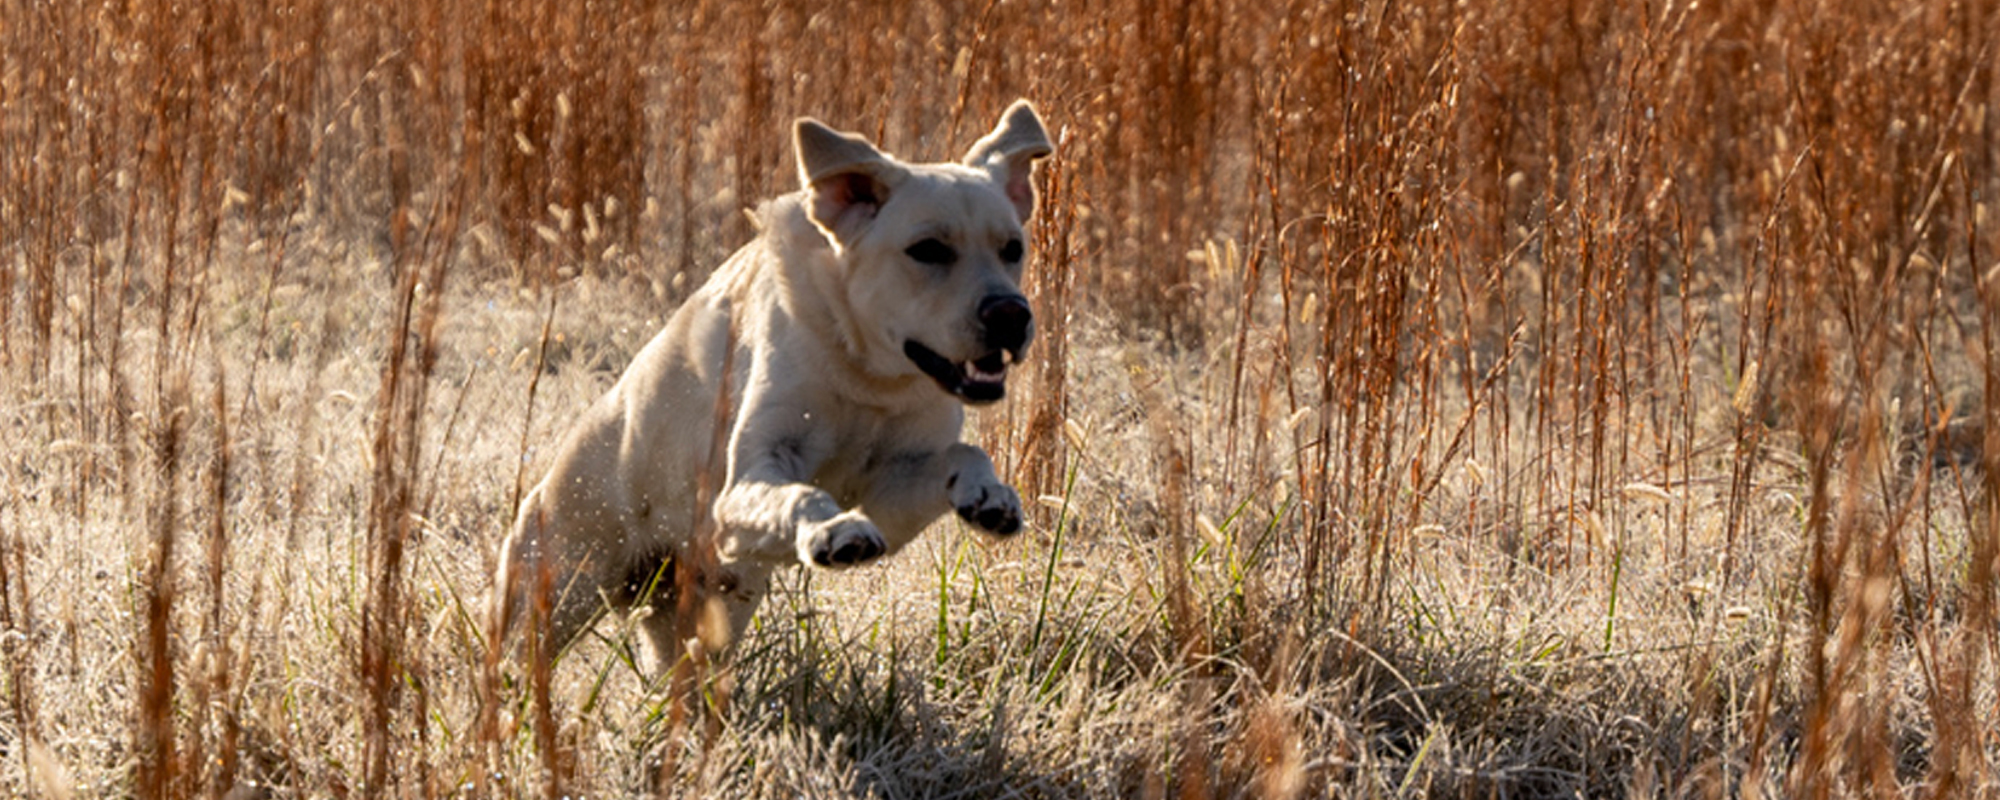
{"x":989,"y":504}
{"x":844,"y":541}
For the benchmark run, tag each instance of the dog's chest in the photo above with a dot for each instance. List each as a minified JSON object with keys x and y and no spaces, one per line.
{"x":861,"y":451}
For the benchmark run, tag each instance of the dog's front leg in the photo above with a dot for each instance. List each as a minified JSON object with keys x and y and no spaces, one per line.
{"x":914,"y":491}
{"x":763,"y":517}
{"x":768,"y":513}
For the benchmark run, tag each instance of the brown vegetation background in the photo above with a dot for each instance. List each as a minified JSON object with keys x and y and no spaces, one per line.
{"x":1485,"y":398}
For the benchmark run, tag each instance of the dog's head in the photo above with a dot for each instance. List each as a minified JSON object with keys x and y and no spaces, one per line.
{"x":931,"y":253}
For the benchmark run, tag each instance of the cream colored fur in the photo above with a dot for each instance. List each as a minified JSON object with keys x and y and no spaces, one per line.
{"x":839,"y":447}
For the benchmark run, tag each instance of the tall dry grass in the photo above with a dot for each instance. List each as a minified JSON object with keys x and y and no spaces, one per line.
{"x":1488,"y":398}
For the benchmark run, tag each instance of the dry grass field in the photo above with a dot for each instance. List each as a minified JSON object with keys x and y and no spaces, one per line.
{"x":1496,"y":398}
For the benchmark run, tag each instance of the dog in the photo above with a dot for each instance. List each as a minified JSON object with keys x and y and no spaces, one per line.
{"x":823,"y":370}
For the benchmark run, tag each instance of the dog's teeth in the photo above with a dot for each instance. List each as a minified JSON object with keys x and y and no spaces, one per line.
{"x":992,"y":366}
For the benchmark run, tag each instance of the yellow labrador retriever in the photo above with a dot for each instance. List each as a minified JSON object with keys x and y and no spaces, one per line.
{"x":839,"y":345}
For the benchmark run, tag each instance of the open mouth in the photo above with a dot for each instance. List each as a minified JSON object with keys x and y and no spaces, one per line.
{"x":981,"y":380}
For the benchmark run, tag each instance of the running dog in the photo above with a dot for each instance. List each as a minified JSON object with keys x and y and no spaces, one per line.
{"x":823,"y":371}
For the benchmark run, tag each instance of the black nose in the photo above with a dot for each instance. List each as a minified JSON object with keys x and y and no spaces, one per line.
{"x":1007,"y":321}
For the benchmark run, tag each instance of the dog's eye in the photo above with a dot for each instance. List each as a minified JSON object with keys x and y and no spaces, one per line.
{"x":932,"y":251}
{"x":1011,"y":251}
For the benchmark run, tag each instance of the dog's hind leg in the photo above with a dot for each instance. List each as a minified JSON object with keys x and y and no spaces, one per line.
{"x":712,"y":605}
{"x":549,"y":579}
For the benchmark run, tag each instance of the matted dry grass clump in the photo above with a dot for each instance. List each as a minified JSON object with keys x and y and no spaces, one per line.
{"x":1483,"y":398}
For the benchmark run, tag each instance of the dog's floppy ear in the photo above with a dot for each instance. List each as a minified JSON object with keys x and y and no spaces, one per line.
{"x":1009,"y":152}
{"x":848,"y":179}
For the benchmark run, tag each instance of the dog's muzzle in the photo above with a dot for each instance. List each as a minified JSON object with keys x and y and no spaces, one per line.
{"x":1006,"y":325}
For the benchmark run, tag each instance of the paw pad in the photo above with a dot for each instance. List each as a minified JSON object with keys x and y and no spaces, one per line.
{"x":995,"y":510}
{"x":846,"y":542}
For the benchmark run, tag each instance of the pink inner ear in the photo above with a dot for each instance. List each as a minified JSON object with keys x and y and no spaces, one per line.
{"x":855,"y":188}
{"x":839,"y":200}
{"x":1021,"y":190}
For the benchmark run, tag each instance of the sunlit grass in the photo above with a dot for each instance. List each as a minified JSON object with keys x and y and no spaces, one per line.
{"x":1485,"y":398}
